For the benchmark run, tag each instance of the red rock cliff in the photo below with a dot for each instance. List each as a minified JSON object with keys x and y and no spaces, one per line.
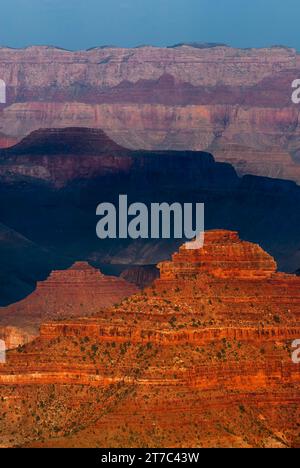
{"x":209,"y":344}
{"x":78,"y":291}
{"x":223,"y":255}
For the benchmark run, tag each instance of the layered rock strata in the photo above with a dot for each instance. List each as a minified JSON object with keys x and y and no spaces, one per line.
{"x":234,"y":103}
{"x":208,"y":344}
{"x":140,"y":275}
{"x":77,"y":291}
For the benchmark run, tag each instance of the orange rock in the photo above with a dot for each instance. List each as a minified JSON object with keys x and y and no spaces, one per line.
{"x":209,"y":345}
{"x":223,"y":255}
{"x":78,"y":291}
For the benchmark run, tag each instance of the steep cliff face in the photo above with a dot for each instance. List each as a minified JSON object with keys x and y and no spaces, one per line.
{"x":37,"y":67}
{"x":256,"y":140}
{"x":77,"y":291}
{"x":209,"y":344}
{"x":52,"y":182}
{"x":235,"y":102}
{"x":62,"y":155}
{"x":22,"y":263}
{"x":141,"y":275}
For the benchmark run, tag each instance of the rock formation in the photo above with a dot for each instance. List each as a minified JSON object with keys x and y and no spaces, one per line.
{"x":208,"y":344}
{"x":52,"y":182}
{"x":224,"y":255}
{"x":234,"y":103}
{"x":6,"y":141}
{"x":62,"y":155}
{"x":22,"y":264}
{"x":141,"y":276}
{"x":78,"y":291}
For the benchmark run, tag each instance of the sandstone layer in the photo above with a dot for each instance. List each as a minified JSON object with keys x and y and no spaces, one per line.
{"x":209,"y":345}
{"x":78,"y":291}
{"x":236,"y":103}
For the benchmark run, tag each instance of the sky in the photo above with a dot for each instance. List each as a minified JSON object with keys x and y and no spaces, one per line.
{"x":81,"y":24}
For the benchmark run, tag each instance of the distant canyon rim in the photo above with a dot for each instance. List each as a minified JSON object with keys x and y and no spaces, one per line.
{"x":235,"y":103}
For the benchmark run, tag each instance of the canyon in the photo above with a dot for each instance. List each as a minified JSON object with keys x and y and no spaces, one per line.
{"x":111,"y":342}
{"x":79,"y":290}
{"x":54,"y":179}
{"x":235,"y":103}
{"x":209,"y":344}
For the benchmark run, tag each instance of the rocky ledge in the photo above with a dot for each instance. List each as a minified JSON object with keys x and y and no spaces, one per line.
{"x":209,"y":344}
{"x":80,"y":290}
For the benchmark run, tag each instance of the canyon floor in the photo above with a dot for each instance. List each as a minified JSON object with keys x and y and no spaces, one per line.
{"x":201,"y":358}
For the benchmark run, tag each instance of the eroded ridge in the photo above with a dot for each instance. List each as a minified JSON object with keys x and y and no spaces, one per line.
{"x":209,"y":345}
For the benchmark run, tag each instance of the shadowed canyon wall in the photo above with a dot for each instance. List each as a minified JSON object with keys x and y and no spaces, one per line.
{"x":52,"y":182}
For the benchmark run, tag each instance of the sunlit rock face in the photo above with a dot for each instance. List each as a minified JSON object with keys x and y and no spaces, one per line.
{"x":80,"y":287}
{"x":208,"y":344}
{"x":224,"y":255}
{"x":80,"y":290}
{"x":234,"y":103}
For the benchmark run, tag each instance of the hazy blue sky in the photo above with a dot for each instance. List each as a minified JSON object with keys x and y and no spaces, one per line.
{"x":79,"y":24}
